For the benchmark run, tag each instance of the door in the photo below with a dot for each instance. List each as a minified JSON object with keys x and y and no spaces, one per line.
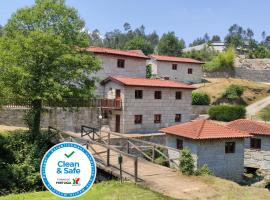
{"x":117,"y":123}
{"x":117,"y":94}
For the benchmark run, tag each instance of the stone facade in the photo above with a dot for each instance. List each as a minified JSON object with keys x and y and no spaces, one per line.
{"x":212,"y":153}
{"x":164,"y":69}
{"x":134,"y":67}
{"x":167,"y":107}
{"x":258,"y":158}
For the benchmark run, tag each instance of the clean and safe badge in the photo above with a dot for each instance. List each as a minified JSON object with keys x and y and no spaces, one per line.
{"x":68,"y":170}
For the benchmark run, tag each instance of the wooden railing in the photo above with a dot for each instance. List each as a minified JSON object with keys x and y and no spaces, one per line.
{"x":67,"y":102}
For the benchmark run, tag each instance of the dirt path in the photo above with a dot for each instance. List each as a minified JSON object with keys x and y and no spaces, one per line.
{"x":257,"y":106}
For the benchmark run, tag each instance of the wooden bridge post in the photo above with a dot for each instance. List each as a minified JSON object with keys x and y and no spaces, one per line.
{"x":128,"y":146}
{"x":136,"y":169}
{"x":108,"y":149}
{"x":153,"y":154}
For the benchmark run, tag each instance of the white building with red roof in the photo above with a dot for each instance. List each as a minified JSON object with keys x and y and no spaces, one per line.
{"x":257,"y":147}
{"x":186,"y":70}
{"x":147,"y":104}
{"x":218,"y":146}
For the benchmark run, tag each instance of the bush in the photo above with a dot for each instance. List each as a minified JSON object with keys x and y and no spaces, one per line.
{"x":186,"y":162}
{"x":224,"y":61}
{"x":264,"y":114}
{"x":20,"y":160}
{"x":227,"y":113}
{"x":200,"y":98}
{"x":148,"y":69}
{"x":233,"y":92}
{"x":203,"y":171}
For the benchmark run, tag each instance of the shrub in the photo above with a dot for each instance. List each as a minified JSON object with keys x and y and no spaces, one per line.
{"x":148,"y":71}
{"x":223,"y":61}
{"x":203,"y":171}
{"x":200,"y":98}
{"x":186,"y":162}
{"x":264,"y":114}
{"x":227,"y":113}
{"x":233,"y":92}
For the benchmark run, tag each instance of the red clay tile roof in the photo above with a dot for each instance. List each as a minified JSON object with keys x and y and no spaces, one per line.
{"x":204,"y":129}
{"x":129,"y":53}
{"x":251,"y":126}
{"x":144,"y":82}
{"x":175,"y":59}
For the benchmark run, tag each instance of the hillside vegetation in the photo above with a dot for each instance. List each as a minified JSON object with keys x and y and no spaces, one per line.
{"x":253,"y":91}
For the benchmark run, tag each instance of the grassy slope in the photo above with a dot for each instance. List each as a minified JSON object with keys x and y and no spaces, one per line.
{"x":265,"y":110}
{"x":254,"y":91}
{"x":111,"y":190}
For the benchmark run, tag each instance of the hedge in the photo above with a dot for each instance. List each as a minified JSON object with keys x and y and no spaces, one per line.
{"x":227,"y":113}
{"x":200,"y":98}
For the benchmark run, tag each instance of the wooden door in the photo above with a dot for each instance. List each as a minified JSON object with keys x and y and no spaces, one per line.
{"x":117,"y":123}
{"x":117,"y":94}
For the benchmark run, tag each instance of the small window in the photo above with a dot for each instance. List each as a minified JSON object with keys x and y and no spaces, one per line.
{"x":229,"y":147}
{"x":179,"y":144}
{"x":138,"y":94}
{"x":178,"y":95}
{"x":174,"y":66}
{"x":158,"y":95}
{"x":166,"y":78}
{"x":138,"y":119}
{"x":255,"y":143}
{"x":157,"y":119}
{"x":121,"y":63}
{"x":178,"y":117}
{"x":190,"y":70}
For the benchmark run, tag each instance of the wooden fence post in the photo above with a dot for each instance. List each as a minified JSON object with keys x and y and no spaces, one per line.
{"x":136,"y":169}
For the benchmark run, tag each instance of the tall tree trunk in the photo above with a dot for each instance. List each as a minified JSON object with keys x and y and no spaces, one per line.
{"x":37,"y":107}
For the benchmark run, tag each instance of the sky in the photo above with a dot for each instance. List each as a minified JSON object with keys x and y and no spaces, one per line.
{"x":189,"y":19}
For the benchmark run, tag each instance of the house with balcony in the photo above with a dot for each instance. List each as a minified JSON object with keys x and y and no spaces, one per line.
{"x":147,"y":105}
{"x":114,"y":62}
{"x":257,"y":147}
{"x":185,"y":70}
{"x":220,"y":147}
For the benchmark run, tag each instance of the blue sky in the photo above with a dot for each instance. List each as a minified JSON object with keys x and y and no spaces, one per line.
{"x":188,"y":18}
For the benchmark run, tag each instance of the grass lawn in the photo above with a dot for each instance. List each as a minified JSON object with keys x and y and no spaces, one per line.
{"x":111,"y":190}
{"x":254,"y":91}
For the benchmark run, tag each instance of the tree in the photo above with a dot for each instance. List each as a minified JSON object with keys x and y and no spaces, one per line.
{"x":148,"y":71}
{"x":42,"y":56}
{"x":139,"y":43}
{"x":1,"y":30}
{"x":215,"y":38}
{"x":95,"y":38}
{"x":235,"y":37}
{"x":197,"y":42}
{"x":170,"y":45}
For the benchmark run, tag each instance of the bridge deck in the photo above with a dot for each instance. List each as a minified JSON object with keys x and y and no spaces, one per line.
{"x":158,"y":178}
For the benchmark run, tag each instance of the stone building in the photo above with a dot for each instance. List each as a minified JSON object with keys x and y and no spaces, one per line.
{"x":218,"y":146}
{"x":147,"y":104}
{"x":257,"y":147}
{"x":175,"y":68}
{"x":130,"y":63}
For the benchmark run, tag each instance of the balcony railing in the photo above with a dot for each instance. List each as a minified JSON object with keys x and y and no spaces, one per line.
{"x":68,"y":102}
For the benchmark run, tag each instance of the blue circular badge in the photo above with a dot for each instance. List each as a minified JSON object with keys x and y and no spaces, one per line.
{"x":68,"y":170}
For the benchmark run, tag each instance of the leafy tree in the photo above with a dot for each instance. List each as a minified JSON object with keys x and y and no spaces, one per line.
{"x":264,"y":114}
{"x":233,"y":92}
{"x":200,"y":98}
{"x":95,"y":38}
{"x":206,"y":54}
{"x":148,"y":71}
{"x":1,"y":30}
{"x":170,"y":45}
{"x":139,"y":43}
{"x":235,"y":37}
{"x":42,"y":56}
{"x":215,"y":38}
{"x":186,"y":162}
{"x":197,"y":42}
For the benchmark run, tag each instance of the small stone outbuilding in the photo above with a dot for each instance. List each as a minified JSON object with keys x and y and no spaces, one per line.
{"x":218,"y":146}
{"x":257,"y":147}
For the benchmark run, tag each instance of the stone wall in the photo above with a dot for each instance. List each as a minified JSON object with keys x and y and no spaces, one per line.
{"x":200,"y":109}
{"x":63,"y":119}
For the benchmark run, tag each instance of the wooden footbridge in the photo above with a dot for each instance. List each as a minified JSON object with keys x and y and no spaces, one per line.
{"x":141,"y":161}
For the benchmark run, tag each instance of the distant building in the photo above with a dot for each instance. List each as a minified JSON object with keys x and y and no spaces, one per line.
{"x":218,"y":146}
{"x":257,"y":147}
{"x":146,"y":104}
{"x":217,"y":46}
{"x":179,"y":69}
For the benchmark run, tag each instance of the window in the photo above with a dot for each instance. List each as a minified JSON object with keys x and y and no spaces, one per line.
{"x":166,"y":78}
{"x":157,"y":94}
{"x":174,"y":66}
{"x":178,"y":117}
{"x":178,"y":95}
{"x":138,"y":94}
{"x":157,"y":119}
{"x":255,"y":143}
{"x":179,"y":144}
{"x":120,"y":63}
{"x":190,"y":71}
{"x":138,"y":119}
{"x":229,"y":147}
